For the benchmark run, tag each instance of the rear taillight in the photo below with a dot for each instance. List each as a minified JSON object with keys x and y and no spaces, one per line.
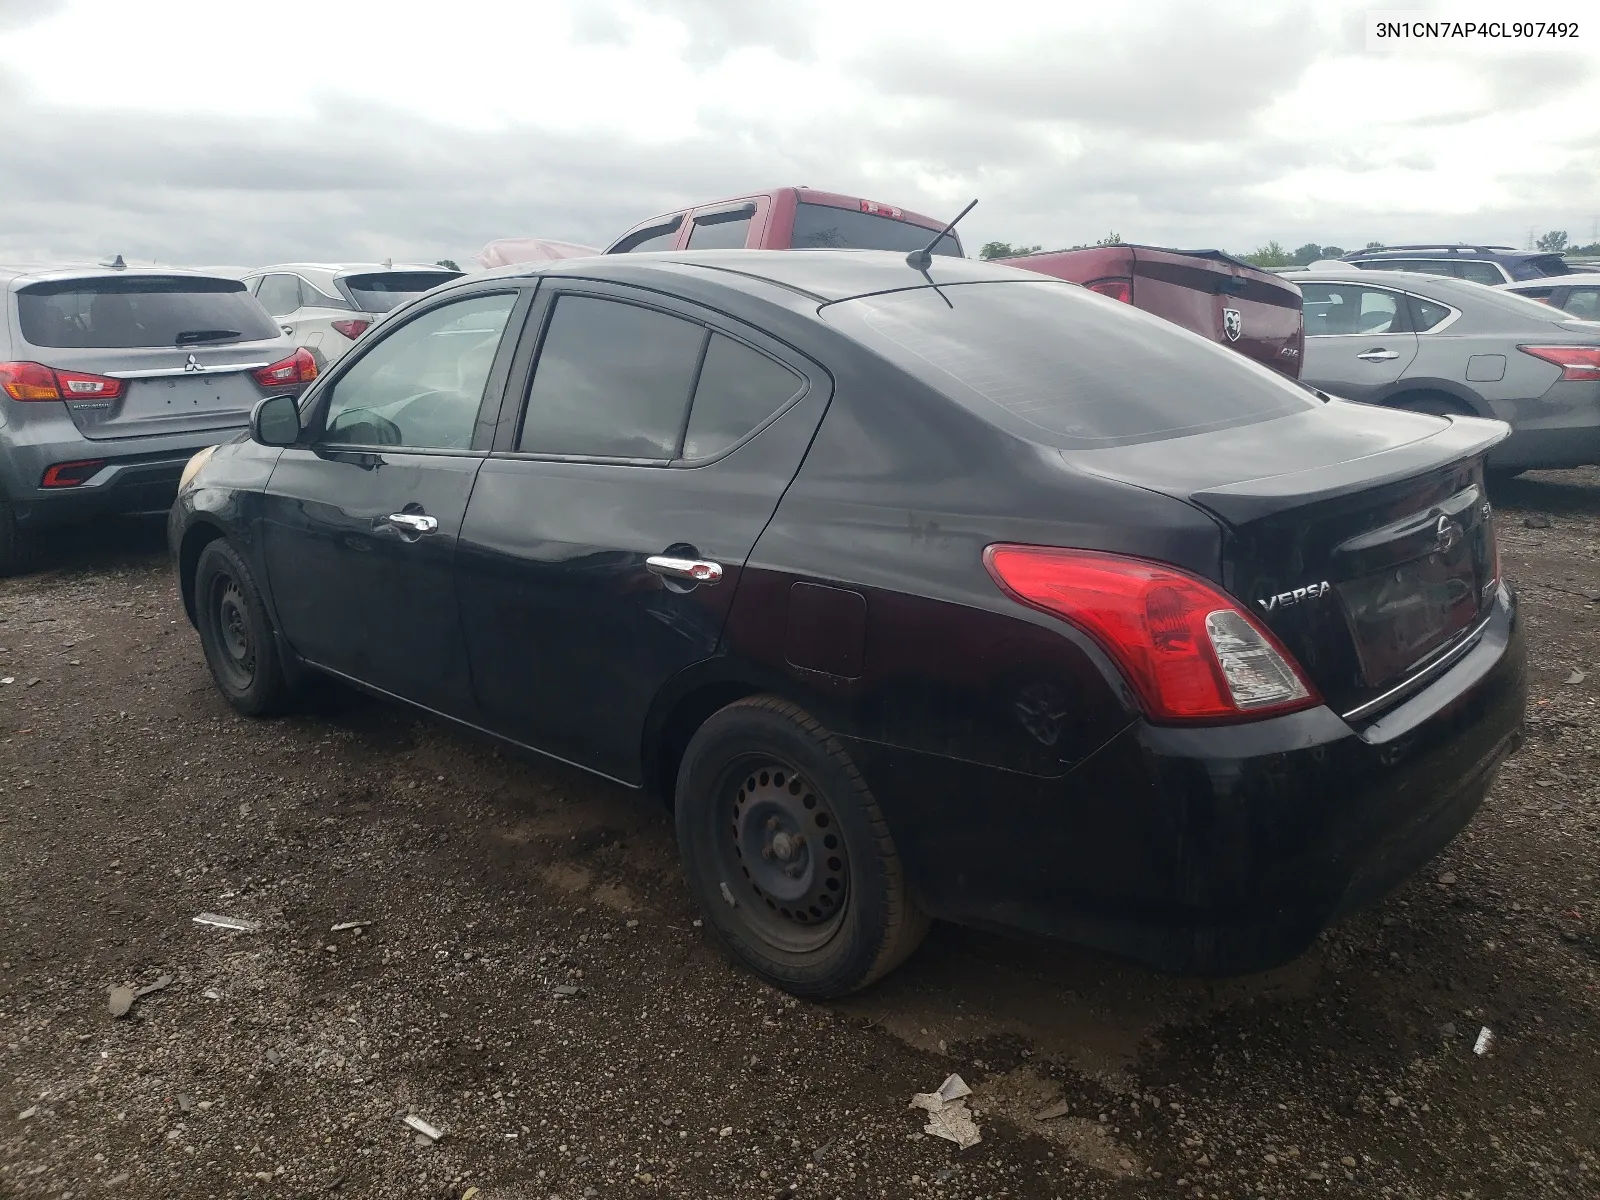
{"x":299,"y":367}
{"x":1116,"y":288}
{"x":35,"y":381}
{"x":71,"y":474}
{"x":351,"y":329}
{"x":1576,"y":362}
{"x":1190,"y":651}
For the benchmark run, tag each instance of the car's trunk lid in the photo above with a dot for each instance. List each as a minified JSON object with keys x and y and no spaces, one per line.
{"x":1362,"y":538}
{"x":167,"y":391}
{"x":1234,"y":303}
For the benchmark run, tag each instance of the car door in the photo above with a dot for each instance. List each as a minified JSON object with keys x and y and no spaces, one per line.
{"x":279,"y":294}
{"x":607,"y":532}
{"x":360,"y":523}
{"x":1359,"y":339}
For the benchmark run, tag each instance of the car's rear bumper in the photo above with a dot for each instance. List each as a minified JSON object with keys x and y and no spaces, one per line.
{"x":1557,"y":430}
{"x":1214,"y":850}
{"x":137,"y":480}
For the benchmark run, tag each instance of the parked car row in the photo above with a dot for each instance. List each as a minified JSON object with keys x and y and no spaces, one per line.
{"x":919,"y":587}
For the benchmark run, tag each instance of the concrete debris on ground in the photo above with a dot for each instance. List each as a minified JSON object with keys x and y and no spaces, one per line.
{"x":237,"y":924}
{"x":948,"y":1117}
{"x":422,"y":1127}
{"x":1484,"y":1042}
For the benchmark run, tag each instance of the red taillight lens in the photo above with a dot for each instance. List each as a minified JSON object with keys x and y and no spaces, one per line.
{"x":1576,"y":362}
{"x":71,"y":474}
{"x":1117,"y":288}
{"x":35,"y":381}
{"x":299,"y":367}
{"x":1189,"y":650}
{"x":351,"y":329}
{"x":29,"y":381}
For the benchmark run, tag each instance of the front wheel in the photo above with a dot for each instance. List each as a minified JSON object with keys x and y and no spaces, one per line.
{"x":787,"y":853}
{"x":236,"y":633}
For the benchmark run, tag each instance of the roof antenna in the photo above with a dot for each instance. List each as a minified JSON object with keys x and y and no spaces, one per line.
{"x":117,"y":264}
{"x":921,"y":260}
{"x":388,"y":264}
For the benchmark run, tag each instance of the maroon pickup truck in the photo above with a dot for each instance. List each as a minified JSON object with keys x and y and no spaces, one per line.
{"x":1219,"y":297}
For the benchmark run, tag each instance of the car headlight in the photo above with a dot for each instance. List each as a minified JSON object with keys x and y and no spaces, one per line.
{"x":192,"y":467}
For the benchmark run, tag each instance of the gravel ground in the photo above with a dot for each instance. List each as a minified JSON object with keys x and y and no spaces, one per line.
{"x":534,"y":983}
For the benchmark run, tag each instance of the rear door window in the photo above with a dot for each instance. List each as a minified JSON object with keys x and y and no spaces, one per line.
{"x":140,"y":310}
{"x":1349,"y":308}
{"x":382,"y":291}
{"x":1481,"y":272}
{"x":1052,"y":363}
{"x":279,"y":294}
{"x":722,"y":231}
{"x":422,"y":384}
{"x":738,"y":389}
{"x":1584,"y":303}
{"x":824,"y":227}
{"x":612,"y":381}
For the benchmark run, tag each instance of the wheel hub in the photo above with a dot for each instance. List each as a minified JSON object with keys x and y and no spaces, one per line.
{"x":788,"y":846}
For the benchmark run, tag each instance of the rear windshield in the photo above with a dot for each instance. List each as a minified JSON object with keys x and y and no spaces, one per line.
{"x":140,"y":310}
{"x":823,"y":227}
{"x":378,"y":293}
{"x":1540,"y":266}
{"x":1055,"y":364}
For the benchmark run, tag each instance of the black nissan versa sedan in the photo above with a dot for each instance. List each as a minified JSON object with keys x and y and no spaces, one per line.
{"x":965,"y":594}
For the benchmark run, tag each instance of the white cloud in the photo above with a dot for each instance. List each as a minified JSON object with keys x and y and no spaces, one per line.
{"x":193,"y":131}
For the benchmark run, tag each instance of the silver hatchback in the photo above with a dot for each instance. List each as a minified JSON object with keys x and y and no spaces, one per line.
{"x":111,"y":378}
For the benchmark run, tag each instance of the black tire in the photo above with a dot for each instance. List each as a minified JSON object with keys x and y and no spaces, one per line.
{"x":19,"y":546}
{"x":236,"y":633}
{"x":825,"y":910}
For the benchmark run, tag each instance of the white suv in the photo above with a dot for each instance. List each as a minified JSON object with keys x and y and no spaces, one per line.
{"x":325,"y":307}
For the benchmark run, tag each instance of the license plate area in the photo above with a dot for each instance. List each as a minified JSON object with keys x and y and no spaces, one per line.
{"x":1400,"y":616}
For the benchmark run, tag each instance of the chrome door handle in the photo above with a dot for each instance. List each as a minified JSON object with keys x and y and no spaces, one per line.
{"x":1379,"y":355}
{"x":415,"y":522}
{"x":694,"y":570}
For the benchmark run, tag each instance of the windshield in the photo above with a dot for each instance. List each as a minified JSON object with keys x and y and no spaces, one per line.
{"x":140,"y":310}
{"x":1056,"y":364}
{"x":384,"y":290}
{"x":823,"y":227}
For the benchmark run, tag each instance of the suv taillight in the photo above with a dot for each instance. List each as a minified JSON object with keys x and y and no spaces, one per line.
{"x":299,"y":367}
{"x":1117,"y":288}
{"x":1576,"y":362}
{"x":1190,"y":651}
{"x":351,"y":329}
{"x":35,"y":381}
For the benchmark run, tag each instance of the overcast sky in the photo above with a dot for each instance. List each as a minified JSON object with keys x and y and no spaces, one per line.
{"x":194,"y":131}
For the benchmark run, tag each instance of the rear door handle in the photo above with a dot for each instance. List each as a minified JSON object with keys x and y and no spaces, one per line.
{"x":692,"y":570}
{"x":414,"y":522}
{"x":1379,"y":355}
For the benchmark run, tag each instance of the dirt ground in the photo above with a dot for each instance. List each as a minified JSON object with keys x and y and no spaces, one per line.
{"x":534,"y":983}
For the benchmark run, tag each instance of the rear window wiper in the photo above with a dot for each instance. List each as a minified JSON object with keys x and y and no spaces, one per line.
{"x":186,"y":336}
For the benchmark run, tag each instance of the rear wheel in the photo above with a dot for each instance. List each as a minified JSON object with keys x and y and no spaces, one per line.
{"x":19,"y":546}
{"x":787,"y":853}
{"x":236,"y":633}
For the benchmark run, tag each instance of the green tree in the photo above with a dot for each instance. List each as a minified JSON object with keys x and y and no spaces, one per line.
{"x":1333,"y":252}
{"x":1309,"y":253}
{"x":448,"y":264}
{"x":1005,"y":250}
{"x":1553,"y":242}
{"x":1271,"y":255}
{"x":1111,"y":239}
{"x":1374,"y":246}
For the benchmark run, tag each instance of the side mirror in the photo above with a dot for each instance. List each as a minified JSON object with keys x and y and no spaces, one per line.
{"x":275,"y":421}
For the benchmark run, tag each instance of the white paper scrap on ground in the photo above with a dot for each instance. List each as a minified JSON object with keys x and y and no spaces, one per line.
{"x":948,"y":1117}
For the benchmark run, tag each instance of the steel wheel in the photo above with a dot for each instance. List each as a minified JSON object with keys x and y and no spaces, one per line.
{"x":233,"y":628}
{"x":784,"y":843}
